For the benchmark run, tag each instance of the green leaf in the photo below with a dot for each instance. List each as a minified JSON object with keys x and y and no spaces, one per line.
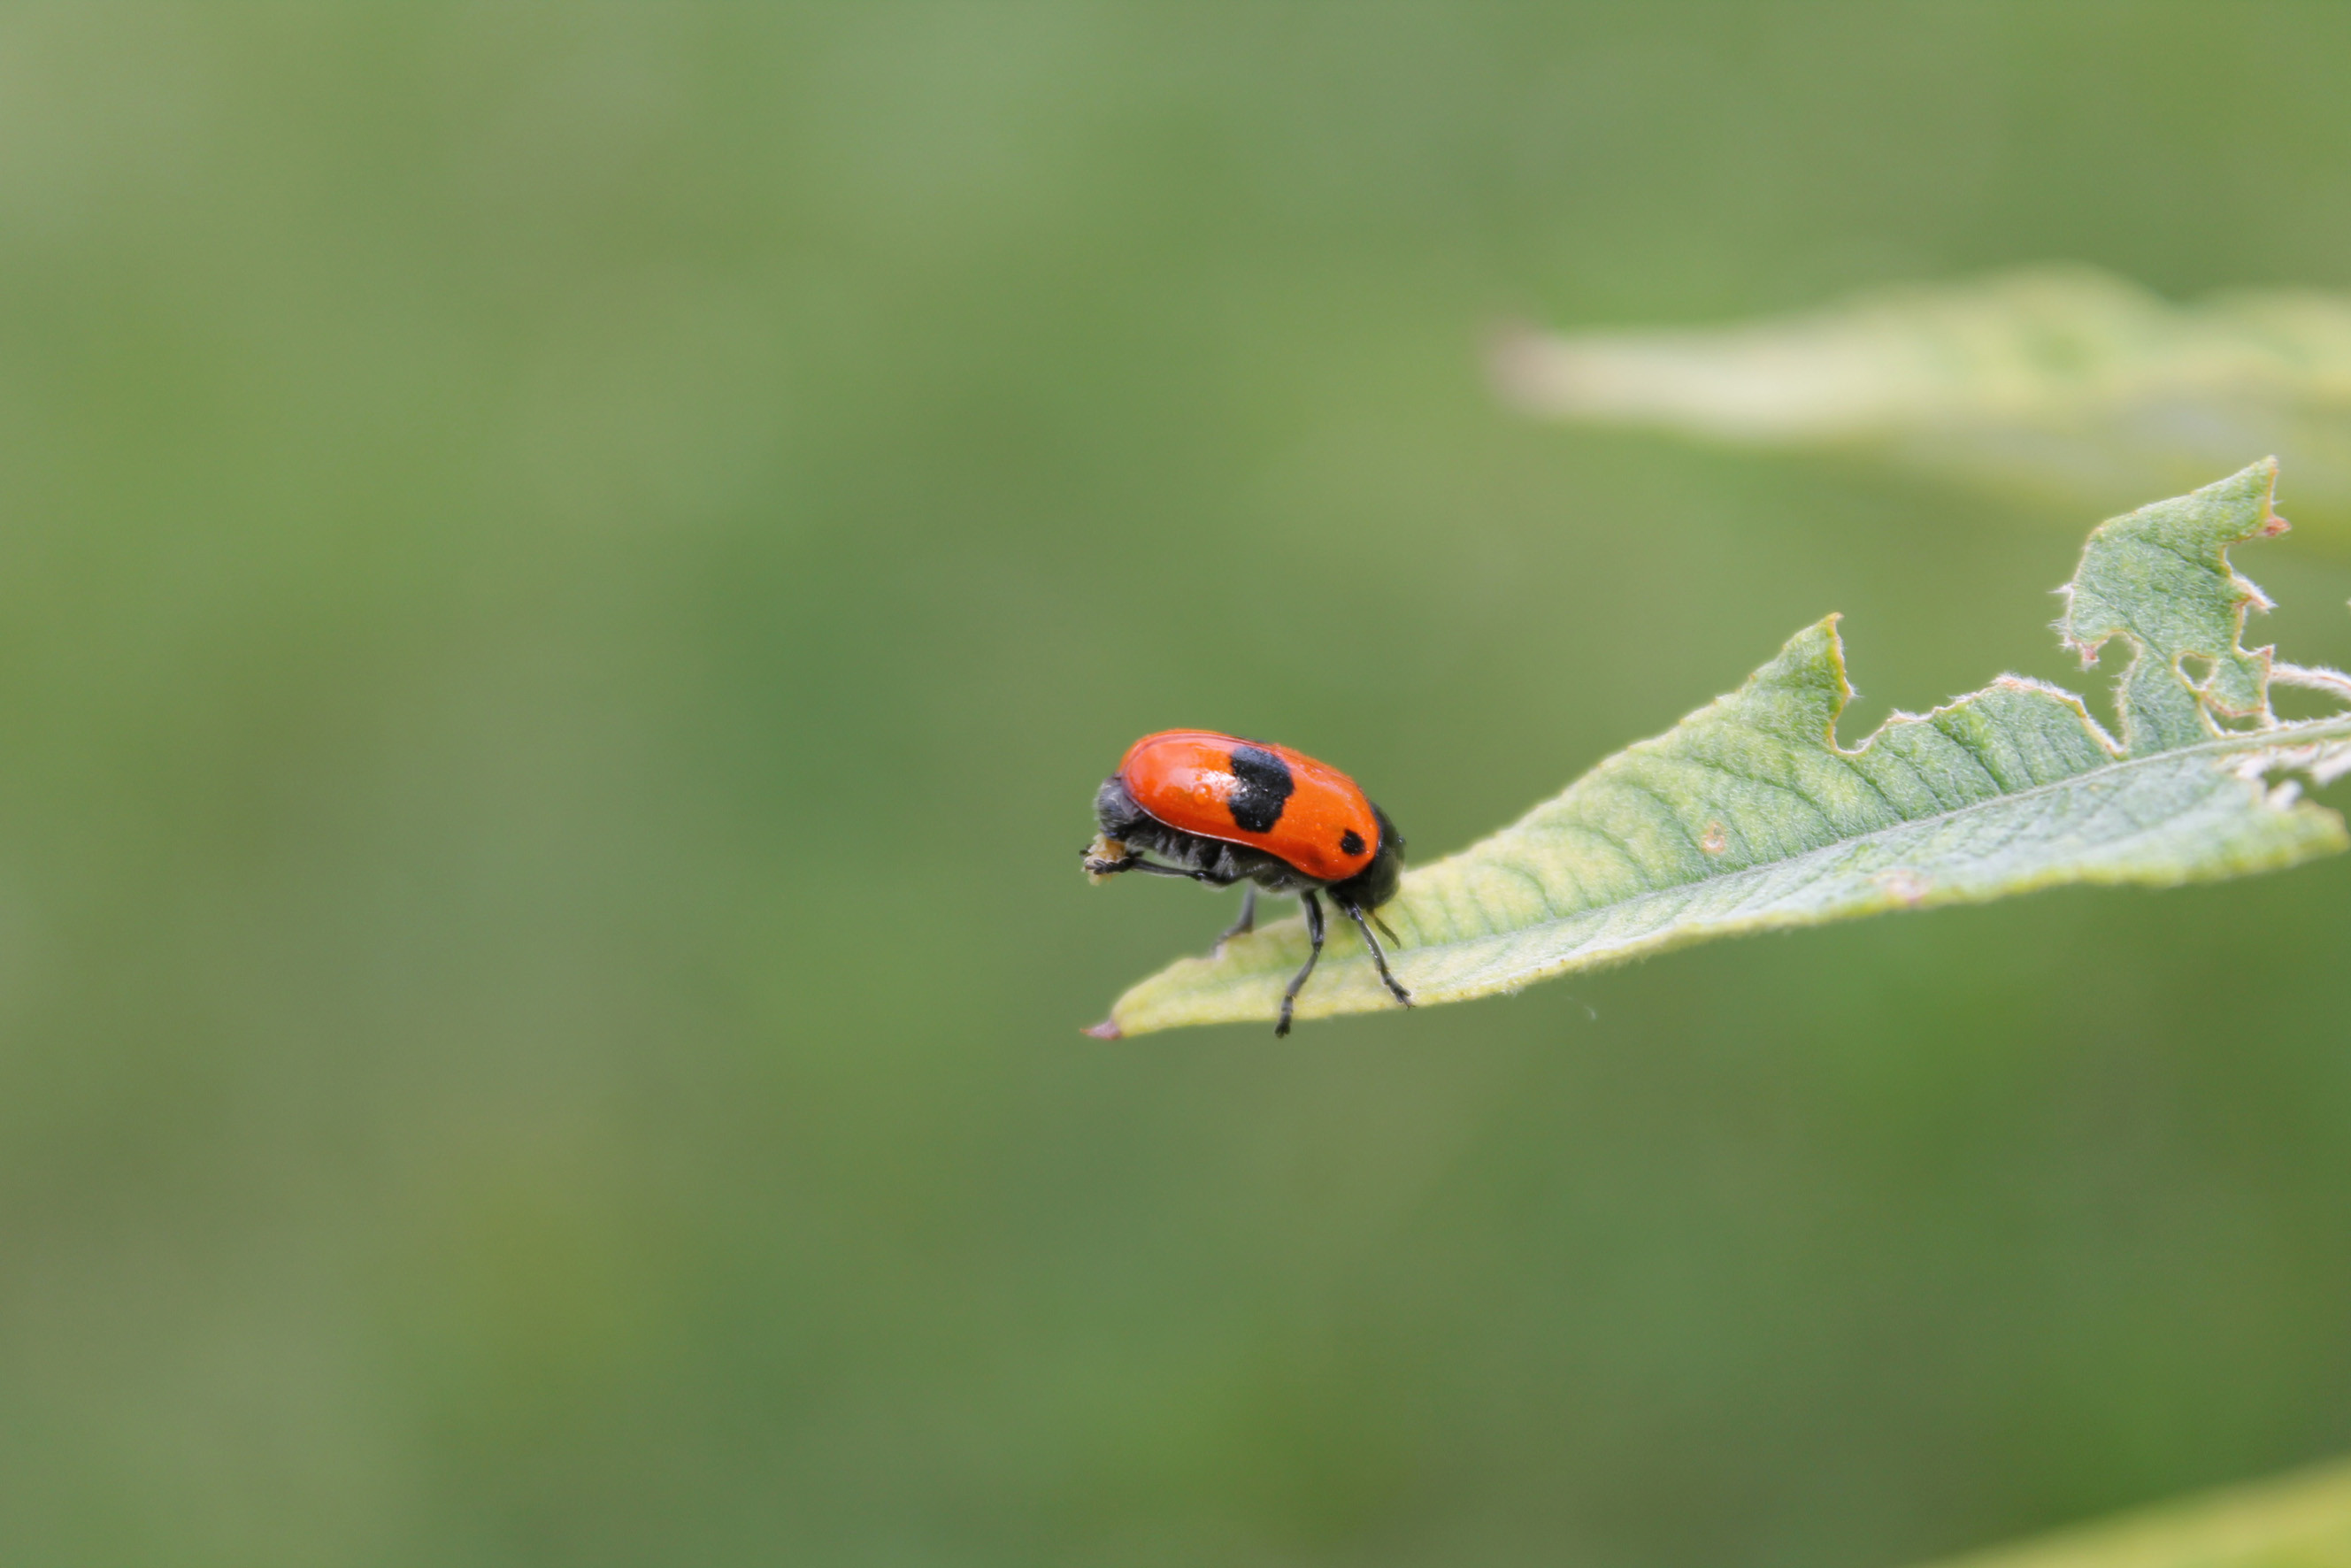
{"x":1749,"y":816}
{"x":2296,"y":1521}
{"x":2065,"y":381}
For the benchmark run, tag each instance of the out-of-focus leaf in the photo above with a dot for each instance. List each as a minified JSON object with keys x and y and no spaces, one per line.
{"x":2296,"y":1521}
{"x":1748,"y":815}
{"x":2066,"y":380}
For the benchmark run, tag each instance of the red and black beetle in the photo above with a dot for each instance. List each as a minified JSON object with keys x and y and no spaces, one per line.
{"x":1220,"y":810}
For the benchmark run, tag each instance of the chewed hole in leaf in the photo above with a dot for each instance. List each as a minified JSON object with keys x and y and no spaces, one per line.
{"x":1749,"y":816}
{"x":2300,"y":704}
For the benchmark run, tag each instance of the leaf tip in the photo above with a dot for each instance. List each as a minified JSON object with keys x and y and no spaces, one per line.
{"x":1531,"y":372}
{"x":1106,"y":1030}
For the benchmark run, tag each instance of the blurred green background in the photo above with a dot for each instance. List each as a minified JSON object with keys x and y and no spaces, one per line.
{"x":567,"y":574}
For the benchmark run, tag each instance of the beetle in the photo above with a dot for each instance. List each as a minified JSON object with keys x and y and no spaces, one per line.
{"x":1221,"y":809}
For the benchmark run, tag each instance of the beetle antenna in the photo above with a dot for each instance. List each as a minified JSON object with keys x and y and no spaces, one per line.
{"x":1395,"y":987}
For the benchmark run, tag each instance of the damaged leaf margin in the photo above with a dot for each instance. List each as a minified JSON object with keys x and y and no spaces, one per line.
{"x":1749,"y":816}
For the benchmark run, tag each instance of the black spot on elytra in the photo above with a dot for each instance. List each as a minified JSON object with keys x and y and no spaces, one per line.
{"x":1261,"y":787}
{"x":1351,"y":842}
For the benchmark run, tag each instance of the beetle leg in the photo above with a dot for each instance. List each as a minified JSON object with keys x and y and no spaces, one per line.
{"x":1104,"y":857}
{"x":1247,"y":923}
{"x":1314,"y":933}
{"x":1102,"y":868}
{"x":1378,"y":956}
